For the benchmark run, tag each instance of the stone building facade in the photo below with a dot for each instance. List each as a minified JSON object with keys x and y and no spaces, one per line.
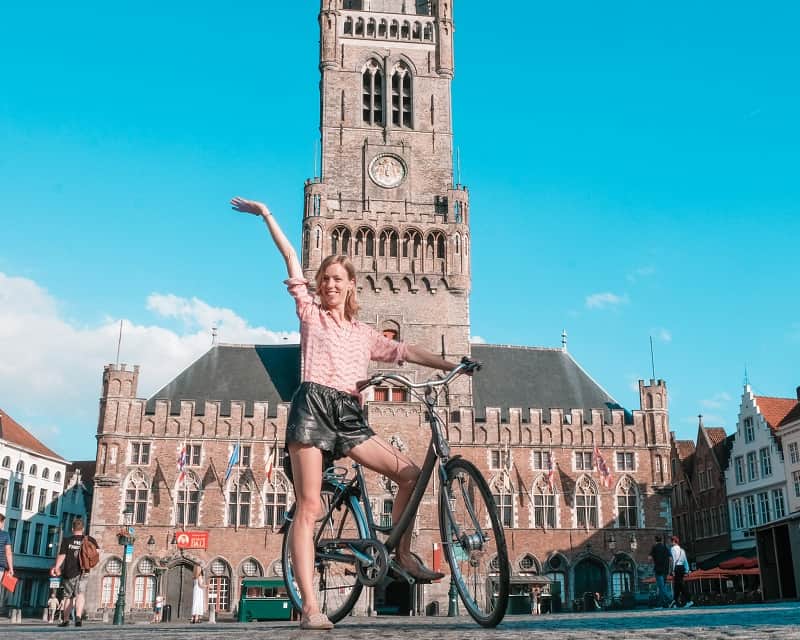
{"x":387,"y":198}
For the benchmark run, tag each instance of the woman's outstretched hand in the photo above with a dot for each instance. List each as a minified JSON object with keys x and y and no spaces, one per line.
{"x":249,"y":206}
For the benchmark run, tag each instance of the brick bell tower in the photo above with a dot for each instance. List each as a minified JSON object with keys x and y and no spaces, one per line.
{"x":386,"y":194}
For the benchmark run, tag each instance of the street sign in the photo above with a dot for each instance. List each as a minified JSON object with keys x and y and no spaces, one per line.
{"x":55,"y":583}
{"x":128,"y":552}
{"x":192,"y":539}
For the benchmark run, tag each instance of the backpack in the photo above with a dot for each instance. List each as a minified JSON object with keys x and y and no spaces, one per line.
{"x":89,"y":555}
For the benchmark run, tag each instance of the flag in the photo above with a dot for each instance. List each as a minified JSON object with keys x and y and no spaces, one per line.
{"x":602,"y":468}
{"x":182,"y":461}
{"x":551,"y":468}
{"x":232,"y":461}
{"x":271,"y":462}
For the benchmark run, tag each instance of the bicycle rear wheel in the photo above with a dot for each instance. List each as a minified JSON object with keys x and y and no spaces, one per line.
{"x":335,"y":579}
{"x":474,"y":543}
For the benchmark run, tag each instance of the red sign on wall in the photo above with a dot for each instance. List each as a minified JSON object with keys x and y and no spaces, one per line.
{"x":192,"y":539}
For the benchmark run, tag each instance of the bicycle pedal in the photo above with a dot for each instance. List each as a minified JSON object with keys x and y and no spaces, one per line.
{"x":397,"y":569}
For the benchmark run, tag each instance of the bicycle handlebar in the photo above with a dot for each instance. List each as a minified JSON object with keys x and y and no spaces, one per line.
{"x":466,"y":365}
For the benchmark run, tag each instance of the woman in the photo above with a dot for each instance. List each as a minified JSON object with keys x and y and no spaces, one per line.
{"x":326,"y":420}
{"x":198,"y":601}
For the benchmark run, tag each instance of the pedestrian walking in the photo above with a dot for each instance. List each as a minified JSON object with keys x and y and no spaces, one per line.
{"x":198,"y":593}
{"x":71,"y":566}
{"x":680,"y":569}
{"x":326,"y":420}
{"x":6,"y":557}
{"x":52,"y":607}
{"x":660,"y":556}
{"x":158,"y":609}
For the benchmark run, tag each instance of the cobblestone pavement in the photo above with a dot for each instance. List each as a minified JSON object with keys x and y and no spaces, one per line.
{"x":772,"y":622}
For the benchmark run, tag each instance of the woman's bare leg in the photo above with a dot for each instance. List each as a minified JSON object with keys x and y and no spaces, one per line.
{"x":307,"y":472}
{"x":379,"y":456}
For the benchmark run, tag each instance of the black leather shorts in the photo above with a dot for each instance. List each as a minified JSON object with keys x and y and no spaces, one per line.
{"x":327,"y":418}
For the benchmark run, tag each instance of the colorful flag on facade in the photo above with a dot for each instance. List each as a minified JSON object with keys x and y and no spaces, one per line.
{"x":551,"y":468}
{"x":182,"y":462}
{"x":602,"y":468}
{"x":272,"y":461}
{"x":232,"y":461}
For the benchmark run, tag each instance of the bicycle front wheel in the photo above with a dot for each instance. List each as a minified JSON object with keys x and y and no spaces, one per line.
{"x":335,"y":581}
{"x":474,"y":543}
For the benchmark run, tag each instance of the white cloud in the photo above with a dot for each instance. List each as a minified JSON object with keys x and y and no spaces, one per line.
{"x":640,"y":273}
{"x":51,"y":367}
{"x":605,"y":300}
{"x":664,"y":335}
{"x":717,"y":401}
{"x":477,"y":340}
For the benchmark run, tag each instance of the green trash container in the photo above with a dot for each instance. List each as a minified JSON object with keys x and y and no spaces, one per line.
{"x":264,"y":599}
{"x":519,"y":603}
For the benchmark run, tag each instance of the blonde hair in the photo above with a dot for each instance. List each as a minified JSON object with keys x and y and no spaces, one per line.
{"x":350,"y":304}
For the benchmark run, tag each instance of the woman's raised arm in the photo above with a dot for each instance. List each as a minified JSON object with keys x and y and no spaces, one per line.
{"x":281,"y":241}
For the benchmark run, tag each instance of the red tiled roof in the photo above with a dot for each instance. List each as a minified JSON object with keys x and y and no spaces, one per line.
{"x":685,"y":448}
{"x":775,"y":410}
{"x":15,"y":433}
{"x":715,"y":435}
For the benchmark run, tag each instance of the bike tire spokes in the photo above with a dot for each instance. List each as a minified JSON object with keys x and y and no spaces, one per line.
{"x":334,"y":579}
{"x":474,"y":542}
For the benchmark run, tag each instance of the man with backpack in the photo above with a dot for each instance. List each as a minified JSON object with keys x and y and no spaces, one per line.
{"x":76,"y":556}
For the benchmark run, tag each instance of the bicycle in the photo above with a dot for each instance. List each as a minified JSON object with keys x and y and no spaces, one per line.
{"x":349,"y":555}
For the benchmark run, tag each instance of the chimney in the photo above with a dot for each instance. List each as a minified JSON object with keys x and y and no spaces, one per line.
{"x":798,"y":392}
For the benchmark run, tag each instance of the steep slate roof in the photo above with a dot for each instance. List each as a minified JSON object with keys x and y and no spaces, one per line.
{"x":248,"y":373}
{"x":512,"y":377}
{"x":685,"y":449}
{"x":775,"y":410}
{"x":13,"y":432}
{"x":715,"y":435}
{"x":793,"y":415}
{"x":720,"y":443}
{"x":531,"y":377}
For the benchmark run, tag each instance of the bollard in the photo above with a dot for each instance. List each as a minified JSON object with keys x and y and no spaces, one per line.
{"x":212,"y":614}
{"x":45,"y":617}
{"x":105,"y":616}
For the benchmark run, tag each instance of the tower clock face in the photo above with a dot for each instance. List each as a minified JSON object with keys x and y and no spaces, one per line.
{"x":387,"y":171}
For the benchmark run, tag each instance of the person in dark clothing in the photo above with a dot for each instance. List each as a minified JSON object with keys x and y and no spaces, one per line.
{"x":661,"y":557}
{"x":73,"y":579}
{"x":6,"y":556}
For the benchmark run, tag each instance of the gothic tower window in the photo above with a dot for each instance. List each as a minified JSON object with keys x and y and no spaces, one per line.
{"x":371,"y":27}
{"x":340,"y":241}
{"x":401,"y":96}
{"x":137,"y":491}
{"x":239,"y":495}
{"x":348,"y":26}
{"x":412,"y":244}
{"x":544,"y":504}
{"x":388,"y":243}
{"x":503,"y":493}
{"x":586,"y":507}
{"x":405,"y":30}
{"x":382,"y":29}
{"x":365,"y":243}
{"x":360,"y":27}
{"x":416,"y":33}
{"x":372,"y":94}
{"x":627,"y":504}
{"x":427,"y":32}
{"x":276,"y":498}
{"x":187,"y":505}
{"x":394,"y":29}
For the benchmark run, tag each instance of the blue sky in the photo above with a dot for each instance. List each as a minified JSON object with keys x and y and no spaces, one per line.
{"x":632,"y":167}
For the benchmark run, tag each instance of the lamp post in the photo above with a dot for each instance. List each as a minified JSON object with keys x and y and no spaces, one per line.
{"x":126,"y":539}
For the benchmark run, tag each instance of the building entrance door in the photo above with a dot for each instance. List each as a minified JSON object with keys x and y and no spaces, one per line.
{"x":590,"y":577}
{"x":178,"y":590}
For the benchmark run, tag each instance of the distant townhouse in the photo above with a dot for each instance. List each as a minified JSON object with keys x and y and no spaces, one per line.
{"x":756,"y":478}
{"x":789,"y":433}
{"x":682,"y":496}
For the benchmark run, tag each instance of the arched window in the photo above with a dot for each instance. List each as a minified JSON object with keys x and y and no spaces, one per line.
{"x":348,"y":26}
{"x":57,"y":476}
{"x":365,"y":243}
{"x":529,"y":564}
{"x":427,"y":33}
{"x":544,"y":504}
{"x":318,"y":238}
{"x":416,"y":31}
{"x":187,"y":504}
{"x":33,"y":470}
{"x":405,"y":30}
{"x":627,"y":504}
{"x":144,"y":585}
{"x":360,"y":27}
{"x":251,"y":568}
{"x":388,"y":243}
{"x":340,"y":241}
{"x":45,"y":474}
{"x":137,"y":491}
{"x":219,"y":584}
{"x":586,"y":507}
{"x":109,"y":586}
{"x":394,"y":29}
{"x":622,"y":574}
{"x":503,"y":492}
{"x":239,"y":496}
{"x":20,"y":467}
{"x":401,"y":96}
{"x":412,"y":244}
{"x":382,"y":29}
{"x":7,"y":462}
{"x":372,"y":94}
{"x":276,"y":499}
{"x":371,"y":27}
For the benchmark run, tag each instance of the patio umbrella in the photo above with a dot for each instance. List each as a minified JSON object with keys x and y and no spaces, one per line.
{"x":739,"y":563}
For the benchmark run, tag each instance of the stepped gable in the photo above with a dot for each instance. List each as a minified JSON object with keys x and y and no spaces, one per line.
{"x":13,"y":432}
{"x":242,"y":373}
{"x":535,"y":377}
{"x":775,"y":410}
